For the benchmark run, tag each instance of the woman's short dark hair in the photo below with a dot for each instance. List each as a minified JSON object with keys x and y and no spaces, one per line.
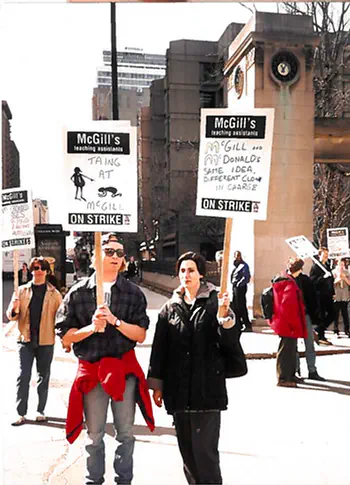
{"x":44,"y":264}
{"x":196,"y":258}
{"x":295,"y":264}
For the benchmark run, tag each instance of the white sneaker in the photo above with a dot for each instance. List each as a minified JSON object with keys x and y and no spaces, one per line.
{"x":40,"y":417}
{"x":19,"y":421}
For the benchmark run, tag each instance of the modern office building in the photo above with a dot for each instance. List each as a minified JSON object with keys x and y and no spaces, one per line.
{"x":135,"y":71}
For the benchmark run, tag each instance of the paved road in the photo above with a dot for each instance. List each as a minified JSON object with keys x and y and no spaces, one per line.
{"x":269,"y":435}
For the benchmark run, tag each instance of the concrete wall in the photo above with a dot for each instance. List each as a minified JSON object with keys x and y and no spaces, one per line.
{"x":291,"y":176}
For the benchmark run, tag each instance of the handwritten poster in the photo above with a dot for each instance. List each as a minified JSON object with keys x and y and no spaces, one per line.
{"x":101,"y":177}
{"x":234,"y":163}
{"x":338,"y":242}
{"x":302,"y":246}
{"x":17,"y":230}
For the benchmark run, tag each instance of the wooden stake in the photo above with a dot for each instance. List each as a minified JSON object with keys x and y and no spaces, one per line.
{"x":225,"y":262}
{"x":15,"y":271}
{"x":98,"y":268}
{"x":10,"y":327}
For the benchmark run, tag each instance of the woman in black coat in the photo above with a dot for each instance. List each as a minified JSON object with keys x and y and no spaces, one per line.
{"x":187,"y":369}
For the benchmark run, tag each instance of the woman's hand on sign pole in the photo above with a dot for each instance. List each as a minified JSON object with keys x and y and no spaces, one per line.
{"x":224,"y":303}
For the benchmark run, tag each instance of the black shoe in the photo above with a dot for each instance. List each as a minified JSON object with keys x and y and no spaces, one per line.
{"x":324,"y":341}
{"x":315,"y":377}
{"x":297,"y":379}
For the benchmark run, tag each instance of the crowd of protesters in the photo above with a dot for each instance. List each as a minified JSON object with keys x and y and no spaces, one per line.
{"x":305,"y":307}
{"x":197,"y":327}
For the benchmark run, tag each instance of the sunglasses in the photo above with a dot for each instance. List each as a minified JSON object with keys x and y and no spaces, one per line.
{"x":37,"y":268}
{"x":110,"y":252}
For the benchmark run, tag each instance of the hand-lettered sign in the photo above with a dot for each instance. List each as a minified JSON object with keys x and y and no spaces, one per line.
{"x":17,"y":230}
{"x":234,"y":163}
{"x":302,"y":246}
{"x":338,"y":242}
{"x":101,"y":177}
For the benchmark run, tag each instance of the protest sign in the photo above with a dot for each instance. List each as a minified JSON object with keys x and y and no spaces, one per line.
{"x":101,"y":177}
{"x":234,"y":163}
{"x":305,"y":249}
{"x":17,"y":230}
{"x":302,"y":246}
{"x":338,"y":242}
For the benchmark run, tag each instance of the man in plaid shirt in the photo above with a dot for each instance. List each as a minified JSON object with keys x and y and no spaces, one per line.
{"x":110,"y":330}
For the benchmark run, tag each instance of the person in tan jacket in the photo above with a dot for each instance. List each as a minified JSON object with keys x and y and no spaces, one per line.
{"x":34,"y":307}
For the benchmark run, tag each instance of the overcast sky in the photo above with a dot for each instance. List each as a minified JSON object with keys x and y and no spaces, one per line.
{"x":49,"y":57}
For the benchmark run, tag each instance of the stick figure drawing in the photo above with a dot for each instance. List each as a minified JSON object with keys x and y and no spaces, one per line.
{"x":79,"y":182}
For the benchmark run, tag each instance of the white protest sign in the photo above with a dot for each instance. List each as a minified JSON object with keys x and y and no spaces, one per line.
{"x":101,"y":176}
{"x":305,"y":249}
{"x":302,"y":246}
{"x":17,"y":229}
{"x":338,"y":242}
{"x":234,"y":163}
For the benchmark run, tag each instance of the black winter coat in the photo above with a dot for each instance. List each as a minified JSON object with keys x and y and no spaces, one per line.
{"x":186,"y":362}
{"x":309,"y":296}
{"x":324,"y":286}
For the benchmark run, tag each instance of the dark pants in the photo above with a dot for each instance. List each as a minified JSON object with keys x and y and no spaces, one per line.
{"x":341,"y":306}
{"x":239,"y":305}
{"x":327,"y":314}
{"x":43,"y":355}
{"x":198,"y":439}
{"x":286,"y":359}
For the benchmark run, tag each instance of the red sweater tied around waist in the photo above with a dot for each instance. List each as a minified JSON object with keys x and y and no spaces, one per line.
{"x":111,"y":373}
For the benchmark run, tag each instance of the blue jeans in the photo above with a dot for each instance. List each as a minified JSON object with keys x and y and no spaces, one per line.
{"x":27,"y":353}
{"x":95,"y":409}
{"x":310,"y":353}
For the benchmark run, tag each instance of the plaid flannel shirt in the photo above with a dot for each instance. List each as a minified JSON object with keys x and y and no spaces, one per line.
{"x":128,"y":303}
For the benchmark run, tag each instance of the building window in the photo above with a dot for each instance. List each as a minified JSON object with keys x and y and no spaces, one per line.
{"x":207,"y":100}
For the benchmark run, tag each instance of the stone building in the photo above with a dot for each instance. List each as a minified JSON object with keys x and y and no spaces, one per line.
{"x":203,"y":74}
{"x":193,"y":80}
{"x":10,"y":153}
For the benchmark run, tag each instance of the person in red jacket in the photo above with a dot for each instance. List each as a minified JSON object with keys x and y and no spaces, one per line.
{"x":288,"y":321}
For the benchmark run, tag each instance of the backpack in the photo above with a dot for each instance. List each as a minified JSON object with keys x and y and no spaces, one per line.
{"x":266,"y":302}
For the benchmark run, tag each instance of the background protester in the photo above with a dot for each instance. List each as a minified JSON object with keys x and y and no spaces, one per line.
{"x":35,"y":309}
{"x":187,"y":369}
{"x":324,"y":285}
{"x":288,"y":321}
{"x":342,"y":295}
{"x":131,"y":271}
{"x":240,"y":278}
{"x":295,"y":268}
{"x":24,"y":275}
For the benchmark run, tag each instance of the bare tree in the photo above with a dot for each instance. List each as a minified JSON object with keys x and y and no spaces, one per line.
{"x":331,"y":200}
{"x":331,"y":22}
{"x":332,"y":100}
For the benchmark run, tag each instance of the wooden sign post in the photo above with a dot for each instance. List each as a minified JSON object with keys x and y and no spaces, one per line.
{"x":234,"y":170}
{"x":15,"y":271}
{"x":225,"y":262}
{"x":99,"y":270}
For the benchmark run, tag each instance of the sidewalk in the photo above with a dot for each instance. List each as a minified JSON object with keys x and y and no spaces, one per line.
{"x":45,"y":457}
